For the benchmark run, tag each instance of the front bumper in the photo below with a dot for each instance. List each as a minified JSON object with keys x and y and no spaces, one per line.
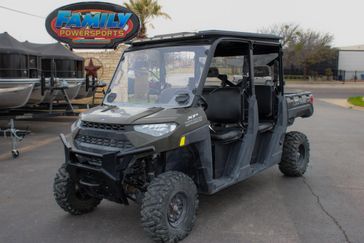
{"x":101,"y":175}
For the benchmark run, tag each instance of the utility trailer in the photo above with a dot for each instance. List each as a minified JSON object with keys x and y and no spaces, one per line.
{"x":185,"y":114}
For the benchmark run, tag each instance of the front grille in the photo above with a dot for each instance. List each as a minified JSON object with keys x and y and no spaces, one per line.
{"x":108,"y":142}
{"x":103,"y":126}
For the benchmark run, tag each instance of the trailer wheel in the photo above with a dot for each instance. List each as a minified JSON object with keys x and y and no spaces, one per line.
{"x":69,"y":196}
{"x":169,"y":207}
{"x":15,"y":153}
{"x":296,"y":154}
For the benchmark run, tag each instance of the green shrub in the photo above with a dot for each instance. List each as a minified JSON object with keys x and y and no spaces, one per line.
{"x":357,"y":100}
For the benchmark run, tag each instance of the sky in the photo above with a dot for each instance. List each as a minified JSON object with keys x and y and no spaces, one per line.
{"x":343,"y":19}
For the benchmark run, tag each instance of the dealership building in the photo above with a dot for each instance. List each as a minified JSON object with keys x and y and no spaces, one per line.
{"x":351,"y":63}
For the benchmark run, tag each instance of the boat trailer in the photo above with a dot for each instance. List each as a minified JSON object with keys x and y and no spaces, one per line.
{"x":15,"y":135}
{"x":43,"y":111}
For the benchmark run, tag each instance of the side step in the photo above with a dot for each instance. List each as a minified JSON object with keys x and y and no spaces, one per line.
{"x":221,"y":183}
{"x":218,"y":184}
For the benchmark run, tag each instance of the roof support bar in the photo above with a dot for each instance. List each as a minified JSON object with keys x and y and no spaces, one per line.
{"x":251,"y":68}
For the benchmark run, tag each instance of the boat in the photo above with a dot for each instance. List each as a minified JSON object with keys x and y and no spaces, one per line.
{"x":37,"y":96}
{"x":62,"y":69}
{"x":15,"y":96}
{"x":85,"y":92}
{"x":19,"y":72}
{"x":71,"y":88}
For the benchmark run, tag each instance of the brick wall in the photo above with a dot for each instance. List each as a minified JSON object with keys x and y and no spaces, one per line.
{"x":108,"y":60}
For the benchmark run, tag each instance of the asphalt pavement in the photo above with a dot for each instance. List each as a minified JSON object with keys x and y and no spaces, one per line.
{"x":326,"y":205}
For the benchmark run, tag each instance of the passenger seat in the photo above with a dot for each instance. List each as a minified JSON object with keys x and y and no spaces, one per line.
{"x":225,"y":107}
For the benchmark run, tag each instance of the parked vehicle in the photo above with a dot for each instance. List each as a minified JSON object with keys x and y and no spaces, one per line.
{"x":202,"y":130}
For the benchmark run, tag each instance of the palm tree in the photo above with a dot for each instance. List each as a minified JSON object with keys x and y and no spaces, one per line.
{"x":146,"y":10}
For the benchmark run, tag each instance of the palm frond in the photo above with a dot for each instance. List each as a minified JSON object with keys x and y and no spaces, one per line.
{"x":146,"y":10}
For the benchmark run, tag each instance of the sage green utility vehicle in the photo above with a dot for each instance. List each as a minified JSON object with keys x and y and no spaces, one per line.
{"x":184,"y":114}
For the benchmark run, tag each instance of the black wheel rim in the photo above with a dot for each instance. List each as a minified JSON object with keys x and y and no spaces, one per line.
{"x":301,"y":154}
{"x":177,"y":209}
{"x":80,"y":194}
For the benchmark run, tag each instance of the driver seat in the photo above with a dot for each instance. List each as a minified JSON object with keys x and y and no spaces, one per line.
{"x":225,"y":107}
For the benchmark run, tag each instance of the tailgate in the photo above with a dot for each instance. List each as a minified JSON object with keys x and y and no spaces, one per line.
{"x":299,"y":104}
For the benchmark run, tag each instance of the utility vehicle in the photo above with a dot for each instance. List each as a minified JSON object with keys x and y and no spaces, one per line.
{"x":184,"y":114}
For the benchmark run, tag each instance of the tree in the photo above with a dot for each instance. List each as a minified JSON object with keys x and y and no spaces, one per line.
{"x":287,"y":31}
{"x":314,"y":48}
{"x":306,"y":51}
{"x":146,"y":10}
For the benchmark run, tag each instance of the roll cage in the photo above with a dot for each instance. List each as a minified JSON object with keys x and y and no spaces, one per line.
{"x":251,"y":44}
{"x":257,"y":43}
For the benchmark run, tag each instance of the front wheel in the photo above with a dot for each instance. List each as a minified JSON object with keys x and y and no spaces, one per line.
{"x":69,"y":195}
{"x":296,"y":154}
{"x":169,"y":207}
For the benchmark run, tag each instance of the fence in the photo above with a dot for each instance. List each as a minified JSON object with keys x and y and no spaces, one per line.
{"x":350,"y":75}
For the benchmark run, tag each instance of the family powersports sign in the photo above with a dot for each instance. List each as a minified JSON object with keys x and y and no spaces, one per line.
{"x":92,"y":25}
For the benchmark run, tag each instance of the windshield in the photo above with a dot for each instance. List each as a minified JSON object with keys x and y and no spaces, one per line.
{"x":157,"y":77}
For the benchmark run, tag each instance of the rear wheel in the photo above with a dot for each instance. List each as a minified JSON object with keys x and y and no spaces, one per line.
{"x":296,"y":154}
{"x":169,"y":207}
{"x":69,"y":195}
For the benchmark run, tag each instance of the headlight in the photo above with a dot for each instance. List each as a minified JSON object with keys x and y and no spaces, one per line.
{"x":75,"y":125}
{"x":156,"y":130}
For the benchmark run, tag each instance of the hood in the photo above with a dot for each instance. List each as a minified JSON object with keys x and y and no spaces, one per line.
{"x":118,"y":115}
